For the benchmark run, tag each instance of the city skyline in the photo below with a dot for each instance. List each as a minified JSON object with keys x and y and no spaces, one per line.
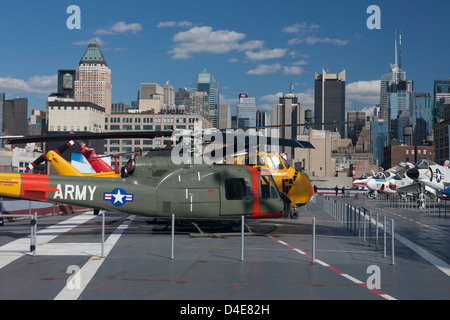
{"x":251,"y":47}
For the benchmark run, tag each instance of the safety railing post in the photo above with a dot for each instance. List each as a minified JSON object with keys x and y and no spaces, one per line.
{"x":242,"y":239}
{"x":172,"y":247}
{"x":392,"y":242}
{"x":314,"y":240}
{"x":384,"y":236}
{"x":102,"y":255}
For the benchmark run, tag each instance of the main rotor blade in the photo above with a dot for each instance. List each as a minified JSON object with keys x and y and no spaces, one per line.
{"x":87,"y":136}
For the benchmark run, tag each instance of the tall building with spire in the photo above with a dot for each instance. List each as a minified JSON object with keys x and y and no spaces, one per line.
{"x":395,"y":97}
{"x":93,"y":78}
{"x":392,"y":83}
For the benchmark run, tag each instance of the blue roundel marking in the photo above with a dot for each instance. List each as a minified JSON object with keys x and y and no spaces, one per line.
{"x":118,"y":197}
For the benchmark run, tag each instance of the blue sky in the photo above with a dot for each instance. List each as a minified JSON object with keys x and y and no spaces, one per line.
{"x":248,"y":46}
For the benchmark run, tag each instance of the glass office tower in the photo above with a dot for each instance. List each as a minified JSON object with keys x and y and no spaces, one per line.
{"x":206,"y":83}
{"x":380,"y":140}
{"x":246,"y":109}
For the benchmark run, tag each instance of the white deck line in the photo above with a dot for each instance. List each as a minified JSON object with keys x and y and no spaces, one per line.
{"x":87,"y":272}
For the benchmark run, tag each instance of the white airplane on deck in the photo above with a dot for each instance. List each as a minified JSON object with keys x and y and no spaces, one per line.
{"x":390,"y":180}
{"x":428,"y":177}
{"x":361,"y":181}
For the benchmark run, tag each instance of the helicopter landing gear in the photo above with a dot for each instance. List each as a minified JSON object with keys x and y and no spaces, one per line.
{"x":294,"y":214}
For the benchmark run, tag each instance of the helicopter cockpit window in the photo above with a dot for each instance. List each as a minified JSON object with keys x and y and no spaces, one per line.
{"x":277,"y":163}
{"x":268,"y":188}
{"x":285,"y":163}
{"x":270,"y":163}
{"x":237,"y":189}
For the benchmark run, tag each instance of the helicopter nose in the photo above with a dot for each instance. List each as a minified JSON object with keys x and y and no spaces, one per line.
{"x":301,"y":190}
{"x":413,"y":173}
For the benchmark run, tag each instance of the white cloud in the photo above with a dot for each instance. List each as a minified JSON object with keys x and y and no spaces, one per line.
{"x":265,"y":69}
{"x":41,"y":85}
{"x":370,"y":111}
{"x":293,"y":70}
{"x":205,"y":40}
{"x":295,"y":41}
{"x":311,"y":40}
{"x":183,"y":24}
{"x":225,"y":100}
{"x":271,"y":98}
{"x":300,"y":63}
{"x":301,"y":28}
{"x":295,"y":55}
{"x":366,"y":92}
{"x":121,"y":27}
{"x":265,"y":54}
{"x":307,"y":98}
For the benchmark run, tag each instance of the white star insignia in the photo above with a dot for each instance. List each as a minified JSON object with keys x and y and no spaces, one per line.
{"x":118,"y":197}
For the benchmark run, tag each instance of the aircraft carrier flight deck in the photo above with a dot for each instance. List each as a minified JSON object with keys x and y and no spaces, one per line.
{"x":340,"y":248}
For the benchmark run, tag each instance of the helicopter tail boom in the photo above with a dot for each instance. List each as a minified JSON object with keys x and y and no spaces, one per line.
{"x":25,"y":186}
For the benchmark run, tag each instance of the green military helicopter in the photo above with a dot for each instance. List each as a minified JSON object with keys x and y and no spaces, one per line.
{"x":156,"y":186}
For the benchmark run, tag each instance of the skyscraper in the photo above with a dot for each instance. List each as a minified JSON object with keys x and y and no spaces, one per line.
{"x":206,"y":83}
{"x":246,"y":109}
{"x":395,"y":97}
{"x":93,"y":78}
{"x":288,"y":111}
{"x":379,"y":140}
{"x":263,"y":119}
{"x":441,"y":91}
{"x":389,"y":83}
{"x":182,"y":97}
{"x":224,"y":116}
{"x":356,"y":122}
{"x":329,"y":101}
{"x":169,"y":95}
{"x":15,"y":116}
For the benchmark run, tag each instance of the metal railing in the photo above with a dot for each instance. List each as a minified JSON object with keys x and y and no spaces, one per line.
{"x":33,"y":227}
{"x":432,"y":206}
{"x":361,"y":223}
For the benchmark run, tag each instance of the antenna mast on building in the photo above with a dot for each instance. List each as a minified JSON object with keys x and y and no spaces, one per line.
{"x":396,"y":59}
{"x":400,"y":53}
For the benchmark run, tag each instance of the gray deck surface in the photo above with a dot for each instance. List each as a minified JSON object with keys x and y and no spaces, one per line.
{"x":278,"y":266}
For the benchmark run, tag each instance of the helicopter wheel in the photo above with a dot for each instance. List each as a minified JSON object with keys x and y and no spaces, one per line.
{"x":294,"y":214}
